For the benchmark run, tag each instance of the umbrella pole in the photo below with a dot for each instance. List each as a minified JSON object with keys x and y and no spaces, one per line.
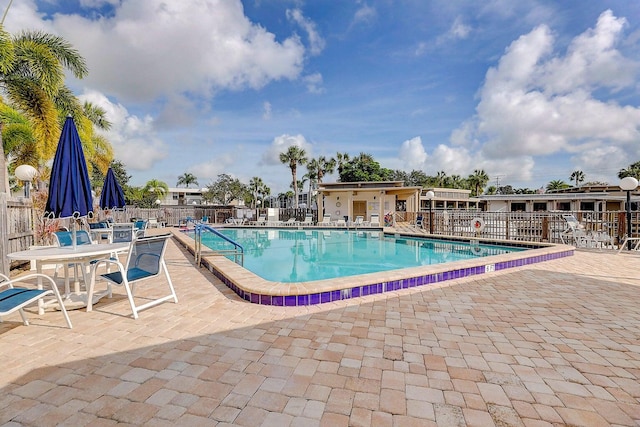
{"x":73,"y":234}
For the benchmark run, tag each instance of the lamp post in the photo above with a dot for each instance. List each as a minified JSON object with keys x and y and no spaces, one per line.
{"x":628,"y":184}
{"x":430,"y":195}
{"x":26,"y":174}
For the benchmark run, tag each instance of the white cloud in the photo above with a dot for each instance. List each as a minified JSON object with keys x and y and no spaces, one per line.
{"x":266,"y":115}
{"x":314,"y":83}
{"x":133,"y":138}
{"x":207,"y":172}
{"x":364,"y":14}
{"x":458,"y":31}
{"x":150,"y":49}
{"x":412,"y":154}
{"x":280,"y":144}
{"x":538,"y":102}
{"x":316,"y":42}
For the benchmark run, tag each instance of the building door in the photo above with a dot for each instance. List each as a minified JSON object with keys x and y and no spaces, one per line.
{"x":360,"y":209}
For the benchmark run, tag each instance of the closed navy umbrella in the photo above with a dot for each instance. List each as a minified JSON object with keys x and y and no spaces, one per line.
{"x":69,"y":185}
{"x":112,"y":196}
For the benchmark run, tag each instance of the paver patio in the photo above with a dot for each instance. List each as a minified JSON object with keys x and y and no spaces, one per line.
{"x":555,"y":343}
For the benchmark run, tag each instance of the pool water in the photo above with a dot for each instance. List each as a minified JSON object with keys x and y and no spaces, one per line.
{"x":306,"y":255}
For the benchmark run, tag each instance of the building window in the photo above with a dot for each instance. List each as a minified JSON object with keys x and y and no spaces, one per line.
{"x":539,"y":206}
{"x":518,"y":207}
{"x":587,"y":206}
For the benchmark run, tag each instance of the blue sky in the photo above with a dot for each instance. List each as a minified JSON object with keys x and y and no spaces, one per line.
{"x":529,"y":91}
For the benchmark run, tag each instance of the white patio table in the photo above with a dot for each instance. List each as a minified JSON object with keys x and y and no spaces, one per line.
{"x":67,"y":255}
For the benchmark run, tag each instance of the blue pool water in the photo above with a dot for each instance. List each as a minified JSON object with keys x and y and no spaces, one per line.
{"x":305,"y":255}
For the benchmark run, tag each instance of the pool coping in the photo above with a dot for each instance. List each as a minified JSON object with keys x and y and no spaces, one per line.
{"x":257,"y":290}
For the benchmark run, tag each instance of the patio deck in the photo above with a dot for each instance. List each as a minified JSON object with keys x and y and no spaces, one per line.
{"x":554,"y":343}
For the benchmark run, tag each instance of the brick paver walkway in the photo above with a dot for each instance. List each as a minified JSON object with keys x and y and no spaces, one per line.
{"x":556,"y":343}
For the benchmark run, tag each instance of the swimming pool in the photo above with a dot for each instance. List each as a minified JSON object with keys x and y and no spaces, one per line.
{"x":291,"y":256}
{"x":255,"y":289}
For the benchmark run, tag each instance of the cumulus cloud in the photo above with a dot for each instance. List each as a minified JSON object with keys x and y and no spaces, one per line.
{"x":538,"y":102}
{"x":146,"y":50}
{"x":412,"y":154}
{"x":280,"y":144}
{"x":133,"y":138}
{"x":207,"y":172}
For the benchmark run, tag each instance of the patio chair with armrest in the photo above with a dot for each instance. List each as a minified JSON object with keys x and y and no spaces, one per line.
{"x":374,"y":221}
{"x":65,"y":239}
{"x":14,"y":298}
{"x":145,"y":262}
{"x":308,"y":219}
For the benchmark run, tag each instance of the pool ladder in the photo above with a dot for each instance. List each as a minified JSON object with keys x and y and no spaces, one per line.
{"x":237,"y":252}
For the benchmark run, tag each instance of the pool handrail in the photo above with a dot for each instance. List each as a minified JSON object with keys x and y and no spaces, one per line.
{"x":238,"y":251}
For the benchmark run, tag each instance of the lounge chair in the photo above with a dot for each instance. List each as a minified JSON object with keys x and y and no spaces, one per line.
{"x":291,"y":222}
{"x":359,"y":221}
{"x":308,"y":219}
{"x":375,"y":221}
{"x":419,"y":221}
{"x":17,"y":298}
{"x":576,"y":233}
{"x":262,"y":220}
{"x":326,"y":220}
{"x":145,"y":261}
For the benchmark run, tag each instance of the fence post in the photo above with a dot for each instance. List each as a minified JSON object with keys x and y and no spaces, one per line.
{"x":4,"y":235}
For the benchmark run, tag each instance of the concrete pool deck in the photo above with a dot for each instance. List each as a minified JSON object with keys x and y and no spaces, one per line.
{"x":546,"y":344}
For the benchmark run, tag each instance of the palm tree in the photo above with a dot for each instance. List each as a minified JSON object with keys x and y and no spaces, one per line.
{"x":294,"y":156}
{"x":341,"y":160}
{"x":557,"y":184}
{"x":187,"y":179}
{"x":478,"y":180}
{"x":633,"y":170}
{"x":440,"y":179}
{"x":577,"y":176}
{"x":156,"y":187}
{"x":32,"y":79}
{"x":256,"y":186}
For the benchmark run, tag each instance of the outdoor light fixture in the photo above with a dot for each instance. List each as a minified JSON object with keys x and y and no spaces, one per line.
{"x":629,"y":184}
{"x":26,"y":174}
{"x":430,"y":195}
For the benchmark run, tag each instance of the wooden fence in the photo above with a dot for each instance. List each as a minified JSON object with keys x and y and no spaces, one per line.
{"x":16,"y":227}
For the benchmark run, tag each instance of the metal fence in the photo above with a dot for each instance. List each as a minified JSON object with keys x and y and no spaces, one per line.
{"x":17,"y":225}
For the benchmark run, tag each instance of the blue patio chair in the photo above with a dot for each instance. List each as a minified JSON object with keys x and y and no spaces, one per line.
{"x":14,"y":298}
{"x":124,"y":232}
{"x":145,"y":261}
{"x":65,"y":238}
{"x":141,"y":227}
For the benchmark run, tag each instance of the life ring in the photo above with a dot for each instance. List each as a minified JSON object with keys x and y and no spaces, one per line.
{"x":477,"y":224}
{"x":477,"y":250}
{"x":337,"y":212}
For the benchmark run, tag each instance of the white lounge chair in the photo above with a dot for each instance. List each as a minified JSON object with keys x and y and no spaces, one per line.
{"x":308,"y":219}
{"x":262,"y":220}
{"x":326,"y":220}
{"x":375,"y":221}
{"x":359,"y":221}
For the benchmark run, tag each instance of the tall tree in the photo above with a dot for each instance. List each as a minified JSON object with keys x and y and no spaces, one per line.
{"x":257,"y":188}
{"x":32,"y":67}
{"x":158,"y":188}
{"x":293,"y":157}
{"x":187,"y":179}
{"x":557,"y":184}
{"x":225,"y":190}
{"x":364,"y":168}
{"x":577,"y":176}
{"x":632,"y":170}
{"x":477,"y":181}
{"x":341,"y":160}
